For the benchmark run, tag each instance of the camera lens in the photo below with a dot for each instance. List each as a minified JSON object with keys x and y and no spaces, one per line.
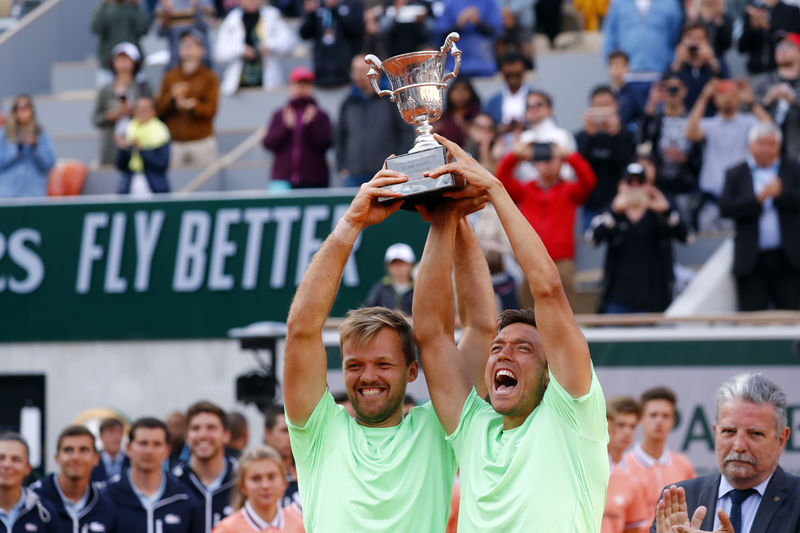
{"x":673,"y":90}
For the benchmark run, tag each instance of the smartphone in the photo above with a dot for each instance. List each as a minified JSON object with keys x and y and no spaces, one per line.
{"x":542,"y":151}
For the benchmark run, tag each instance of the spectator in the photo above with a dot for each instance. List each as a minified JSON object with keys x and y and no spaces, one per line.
{"x":360,"y":150}
{"x":26,"y":152}
{"x":651,"y":460}
{"x":625,"y":508}
{"x":113,"y":106}
{"x":750,"y":423}
{"x":504,"y":285}
{"x":677,"y":160}
{"x":519,"y":21}
{"x":629,"y":99}
{"x":403,"y":26}
{"x":21,"y":509}
{"x":696,"y":64}
{"x":146,"y":497}
{"x":187,"y":103}
{"x":508,"y":104}
{"x":541,"y":128}
{"x":259,"y":484}
{"x":777,"y":92}
{"x":480,"y":140}
{"x":606,"y":146}
{"x":114,"y":22}
{"x":639,"y":228}
{"x":248,"y":41}
{"x":336,"y":28}
{"x":78,"y":503}
{"x":549,"y":205}
{"x":144,"y":150}
{"x":299,"y":134}
{"x":480,"y":23}
{"x":179,"y":451}
{"x":718,"y":23}
{"x":762,"y":196}
{"x":208,"y":474}
{"x":176,"y":18}
{"x":276,"y":436}
{"x":725,"y":140}
{"x":396,"y":290}
{"x":240,"y":435}
{"x":764,"y":22}
{"x":373,"y":41}
{"x":462,"y":104}
{"x":647,"y":32}
{"x":113,"y":459}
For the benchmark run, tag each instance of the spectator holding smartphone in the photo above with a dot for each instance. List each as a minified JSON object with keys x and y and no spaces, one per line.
{"x":777,"y":92}
{"x":764,"y":22}
{"x":696,"y":63}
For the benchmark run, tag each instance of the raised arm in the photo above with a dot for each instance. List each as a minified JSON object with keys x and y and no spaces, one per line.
{"x":305,"y":362}
{"x":434,"y":320}
{"x":564,"y":345}
{"x":476,"y":304}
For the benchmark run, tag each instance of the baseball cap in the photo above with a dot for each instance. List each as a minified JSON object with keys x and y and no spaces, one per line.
{"x":299,"y":74}
{"x":129,"y":49}
{"x":400,"y":251}
{"x":194,"y":33}
{"x":793,"y":38}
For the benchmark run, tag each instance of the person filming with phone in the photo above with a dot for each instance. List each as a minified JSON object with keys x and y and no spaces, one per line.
{"x":550,"y":202}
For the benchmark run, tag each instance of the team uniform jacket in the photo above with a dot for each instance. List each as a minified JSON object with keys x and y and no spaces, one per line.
{"x":37,"y":516}
{"x":98,"y":516}
{"x":176,"y":512}
{"x":217,"y":504}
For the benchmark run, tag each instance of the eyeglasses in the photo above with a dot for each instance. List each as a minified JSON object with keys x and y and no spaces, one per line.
{"x":536,"y":105}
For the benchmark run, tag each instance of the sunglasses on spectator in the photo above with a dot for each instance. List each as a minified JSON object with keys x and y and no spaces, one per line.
{"x":23,"y":105}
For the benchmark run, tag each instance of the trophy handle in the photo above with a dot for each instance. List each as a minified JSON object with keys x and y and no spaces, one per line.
{"x":374,"y":76}
{"x":450,"y":44}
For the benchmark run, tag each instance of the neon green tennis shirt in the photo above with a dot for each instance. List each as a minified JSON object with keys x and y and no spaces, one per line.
{"x":548,"y":475}
{"x":357,"y":479}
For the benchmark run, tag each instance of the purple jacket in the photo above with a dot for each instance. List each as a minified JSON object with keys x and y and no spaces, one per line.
{"x":300,"y":151}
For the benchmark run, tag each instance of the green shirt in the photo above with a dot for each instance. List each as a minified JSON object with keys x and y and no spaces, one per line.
{"x":549,"y":474}
{"x":354,"y":478}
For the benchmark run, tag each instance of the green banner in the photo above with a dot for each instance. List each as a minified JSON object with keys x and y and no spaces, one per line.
{"x":173,"y":269}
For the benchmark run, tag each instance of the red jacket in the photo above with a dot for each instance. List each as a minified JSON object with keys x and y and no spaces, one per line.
{"x":551,"y":211}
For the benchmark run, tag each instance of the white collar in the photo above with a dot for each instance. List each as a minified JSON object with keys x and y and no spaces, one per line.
{"x":648,"y":461}
{"x":258,"y":523}
{"x":725,"y":487}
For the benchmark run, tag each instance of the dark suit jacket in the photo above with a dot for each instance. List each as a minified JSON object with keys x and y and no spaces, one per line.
{"x":779,"y":511}
{"x":739,"y":202}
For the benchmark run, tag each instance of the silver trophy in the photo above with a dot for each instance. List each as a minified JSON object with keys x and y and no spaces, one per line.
{"x":418,"y":80}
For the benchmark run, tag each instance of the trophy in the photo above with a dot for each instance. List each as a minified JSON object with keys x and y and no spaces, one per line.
{"x":417,"y":80}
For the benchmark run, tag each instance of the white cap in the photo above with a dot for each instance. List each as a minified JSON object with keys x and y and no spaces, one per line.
{"x":129,"y":49}
{"x":400,"y":251}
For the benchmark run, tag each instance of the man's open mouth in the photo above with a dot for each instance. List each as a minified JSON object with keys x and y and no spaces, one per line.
{"x":504,"y":380}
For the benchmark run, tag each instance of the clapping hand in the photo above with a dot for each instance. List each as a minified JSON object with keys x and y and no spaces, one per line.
{"x":672,"y":515}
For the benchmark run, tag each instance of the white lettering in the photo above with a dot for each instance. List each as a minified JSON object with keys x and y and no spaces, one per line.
{"x":255,"y":217}
{"x":2,"y":252}
{"x":115,"y":283}
{"x":90,"y":250}
{"x":221,"y":249}
{"x":190,"y":263}
{"x":350,"y":277}
{"x":26,"y":259}
{"x":285,"y":217}
{"x":309,"y":243}
{"x":148,"y":230}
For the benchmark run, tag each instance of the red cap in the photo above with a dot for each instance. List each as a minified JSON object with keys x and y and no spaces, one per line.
{"x":724,"y":86}
{"x":793,"y":38}
{"x":299,"y":74}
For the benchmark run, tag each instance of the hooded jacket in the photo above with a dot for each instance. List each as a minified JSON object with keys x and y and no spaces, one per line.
{"x":36,"y":516}
{"x":98,"y":515}
{"x":216,"y":504}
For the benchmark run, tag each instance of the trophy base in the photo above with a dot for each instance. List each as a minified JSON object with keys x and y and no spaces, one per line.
{"x":420,"y":189}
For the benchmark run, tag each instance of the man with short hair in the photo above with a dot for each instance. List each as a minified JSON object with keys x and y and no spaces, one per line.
{"x":147,"y":498}
{"x":750,"y":490}
{"x":113,"y":460}
{"x":508,"y":104}
{"x":209,"y":474}
{"x":379,"y":471}
{"x":777,"y":92}
{"x":625,"y":510}
{"x":762,"y":196}
{"x":695,"y":62}
{"x":21,"y":509}
{"x":240,"y":434}
{"x":651,"y":460}
{"x":79,"y":504}
{"x":532,"y":458}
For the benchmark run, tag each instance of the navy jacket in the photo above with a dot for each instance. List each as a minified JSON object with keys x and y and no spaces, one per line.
{"x":99,"y":515}
{"x":99,"y":473}
{"x":176,"y":512}
{"x":38,"y":516}
{"x":216,"y":504}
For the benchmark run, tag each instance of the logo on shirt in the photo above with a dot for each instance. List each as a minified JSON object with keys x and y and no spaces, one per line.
{"x":172,"y":519}
{"x":227,"y":511}
{"x":97,"y":526}
{"x":31,"y":527}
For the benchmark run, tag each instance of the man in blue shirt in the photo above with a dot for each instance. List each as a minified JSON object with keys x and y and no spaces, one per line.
{"x":78,"y":503}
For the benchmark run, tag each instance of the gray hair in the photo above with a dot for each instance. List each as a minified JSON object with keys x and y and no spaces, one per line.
{"x":753,"y":388}
{"x":764,"y":129}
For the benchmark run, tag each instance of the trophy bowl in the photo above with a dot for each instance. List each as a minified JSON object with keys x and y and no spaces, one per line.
{"x":417,"y":82}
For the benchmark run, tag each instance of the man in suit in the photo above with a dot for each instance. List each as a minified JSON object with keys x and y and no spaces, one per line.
{"x":762,"y":195}
{"x":751,"y":493}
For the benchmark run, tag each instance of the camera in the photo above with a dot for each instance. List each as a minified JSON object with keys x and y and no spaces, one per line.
{"x":542,"y":151}
{"x":673,"y":90}
{"x":693,"y":49}
{"x":634,"y":174}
